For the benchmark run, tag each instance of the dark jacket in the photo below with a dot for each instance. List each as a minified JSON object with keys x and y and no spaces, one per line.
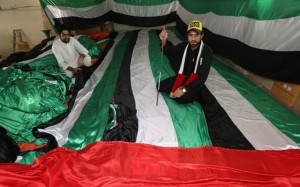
{"x":175,"y":54}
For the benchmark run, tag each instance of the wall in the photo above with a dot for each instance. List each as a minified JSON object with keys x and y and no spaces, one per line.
{"x":20,"y":14}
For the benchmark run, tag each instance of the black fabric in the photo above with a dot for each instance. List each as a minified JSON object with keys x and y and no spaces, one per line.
{"x":74,"y":23}
{"x":142,"y":21}
{"x":126,"y":130}
{"x":34,"y":52}
{"x":278,"y":65}
{"x":223,"y":132}
{"x":126,"y":114}
{"x":9,"y":150}
{"x":175,"y":54}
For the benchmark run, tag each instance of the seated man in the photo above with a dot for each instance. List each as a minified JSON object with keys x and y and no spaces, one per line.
{"x":70,"y":54}
{"x":191,"y":60}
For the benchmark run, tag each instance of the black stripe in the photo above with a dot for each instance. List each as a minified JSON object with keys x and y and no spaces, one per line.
{"x":222,"y":131}
{"x":143,"y":21}
{"x":126,"y":112}
{"x":277,"y":65}
{"x":74,"y":23}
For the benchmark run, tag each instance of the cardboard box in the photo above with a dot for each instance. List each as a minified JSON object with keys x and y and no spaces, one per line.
{"x":261,"y":81}
{"x":286,"y":92}
{"x":296,"y":107}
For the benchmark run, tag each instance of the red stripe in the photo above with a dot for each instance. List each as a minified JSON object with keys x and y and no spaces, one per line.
{"x":132,"y":164}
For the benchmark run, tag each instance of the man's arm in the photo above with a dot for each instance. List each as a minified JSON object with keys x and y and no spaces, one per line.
{"x":59,"y":57}
{"x":80,"y":48}
{"x":202,"y":71}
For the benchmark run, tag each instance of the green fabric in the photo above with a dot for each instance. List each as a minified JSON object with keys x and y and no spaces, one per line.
{"x":29,"y":98}
{"x":256,"y":9}
{"x":29,"y":157}
{"x":91,"y":45}
{"x":279,"y":115}
{"x":188,"y":119}
{"x":89,"y":128}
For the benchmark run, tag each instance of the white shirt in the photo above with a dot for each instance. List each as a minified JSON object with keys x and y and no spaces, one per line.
{"x":67,"y":53}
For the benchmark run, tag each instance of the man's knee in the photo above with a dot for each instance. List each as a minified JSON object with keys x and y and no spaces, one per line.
{"x":87,"y":61}
{"x":69,"y":73}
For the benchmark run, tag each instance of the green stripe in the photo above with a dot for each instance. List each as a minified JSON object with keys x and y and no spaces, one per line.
{"x":256,"y":9}
{"x":144,"y":3}
{"x":92,"y":121}
{"x":188,"y":119}
{"x":71,"y":3}
{"x":279,"y":115}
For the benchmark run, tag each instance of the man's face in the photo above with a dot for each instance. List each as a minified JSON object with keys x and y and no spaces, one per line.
{"x":194,"y":39}
{"x":65,"y":36}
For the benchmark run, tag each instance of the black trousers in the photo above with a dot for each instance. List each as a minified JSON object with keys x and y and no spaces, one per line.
{"x":188,"y":97}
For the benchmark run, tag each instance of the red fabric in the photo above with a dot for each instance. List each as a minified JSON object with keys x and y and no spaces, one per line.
{"x":132,"y":164}
{"x":178,"y":82}
{"x":98,"y":35}
{"x":190,"y":79}
{"x":29,"y":146}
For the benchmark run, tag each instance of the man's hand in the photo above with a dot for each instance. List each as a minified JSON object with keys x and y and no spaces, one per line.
{"x":179,"y":92}
{"x":163,"y":35}
{"x":80,"y":60}
{"x":74,"y":70}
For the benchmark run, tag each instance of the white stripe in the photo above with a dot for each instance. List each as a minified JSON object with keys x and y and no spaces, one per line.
{"x":274,"y":35}
{"x":61,"y":130}
{"x":155,"y":122}
{"x":144,"y":11}
{"x":85,"y":12}
{"x":101,"y":9}
{"x":258,"y":130}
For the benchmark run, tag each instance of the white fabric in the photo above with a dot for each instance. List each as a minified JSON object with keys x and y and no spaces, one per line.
{"x":273,"y":35}
{"x":98,"y":10}
{"x":155,"y":122}
{"x":144,"y":11}
{"x":258,"y":130}
{"x":93,"y":11}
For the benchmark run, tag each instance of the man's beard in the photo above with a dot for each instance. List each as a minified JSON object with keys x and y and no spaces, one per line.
{"x":66,"y":40}
{"x":194,"y":44}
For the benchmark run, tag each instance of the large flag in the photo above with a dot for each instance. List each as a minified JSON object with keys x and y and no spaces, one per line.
{"x":161,"y":130}
{"x":260,"y":36}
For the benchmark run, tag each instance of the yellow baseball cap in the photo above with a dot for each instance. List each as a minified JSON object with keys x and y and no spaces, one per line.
{"x":195,"y":25}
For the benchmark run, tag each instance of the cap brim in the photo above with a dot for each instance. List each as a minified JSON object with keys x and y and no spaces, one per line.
{"x":196,"y":30}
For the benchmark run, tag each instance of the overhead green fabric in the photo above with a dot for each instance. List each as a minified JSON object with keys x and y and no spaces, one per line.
{"x":256,"y":9}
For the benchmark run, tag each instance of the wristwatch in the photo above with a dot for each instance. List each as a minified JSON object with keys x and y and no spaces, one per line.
{"x":184,"y":90}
